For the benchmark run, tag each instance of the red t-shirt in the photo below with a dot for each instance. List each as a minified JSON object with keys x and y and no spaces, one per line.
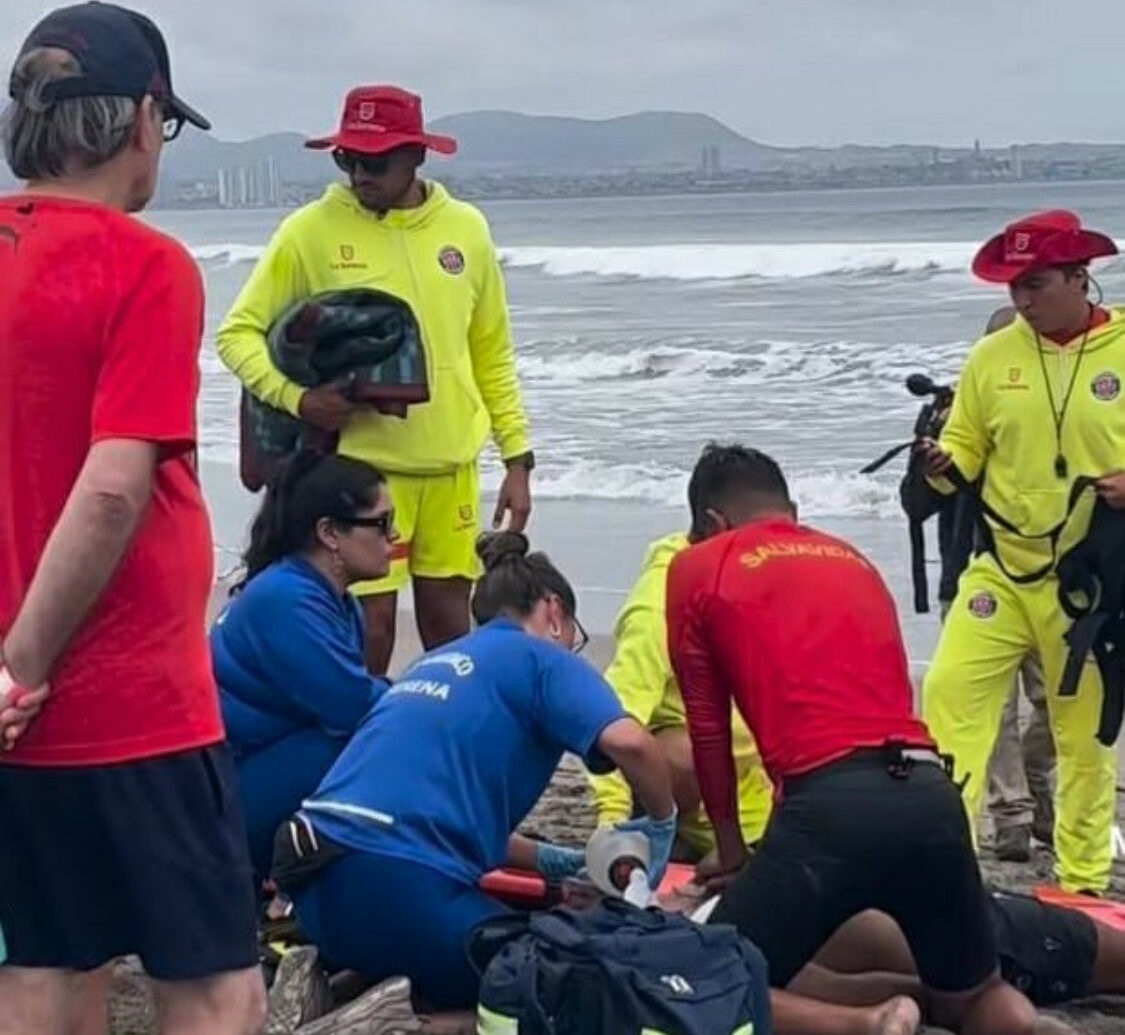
{"x":800,"y":629}
{"x":101,"y":319}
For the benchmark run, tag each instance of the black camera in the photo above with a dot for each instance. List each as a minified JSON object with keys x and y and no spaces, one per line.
{"x":931,"y":418}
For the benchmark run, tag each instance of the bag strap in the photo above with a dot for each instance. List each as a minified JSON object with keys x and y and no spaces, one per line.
{"x":887,"y":457}
{"x":918,"y":567}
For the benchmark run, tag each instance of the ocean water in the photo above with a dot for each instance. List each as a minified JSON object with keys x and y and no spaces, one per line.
{"x":647,"y":326}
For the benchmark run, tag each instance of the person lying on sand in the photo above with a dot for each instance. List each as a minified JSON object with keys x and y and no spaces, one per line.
{"x":799,"y":628}
{"x":1051,"y":953}
{"x":287,"y":651}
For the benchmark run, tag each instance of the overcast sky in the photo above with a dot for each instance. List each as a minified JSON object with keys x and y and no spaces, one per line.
{"x":781,"y":71}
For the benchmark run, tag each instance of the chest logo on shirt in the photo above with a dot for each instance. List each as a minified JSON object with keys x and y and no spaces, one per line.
{"x":1106,"y":386}
{"x":347,"y":260}
{"x":1015,"y":380}
{"x":452,"y":260}
{"x":982,"y":605}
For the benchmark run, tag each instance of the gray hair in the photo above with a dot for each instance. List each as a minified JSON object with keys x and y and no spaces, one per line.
{"x":45,"y":139}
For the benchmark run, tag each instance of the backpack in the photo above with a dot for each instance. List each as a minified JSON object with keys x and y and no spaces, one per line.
{"x":614,"y":969}
{"x":1092,"y":593}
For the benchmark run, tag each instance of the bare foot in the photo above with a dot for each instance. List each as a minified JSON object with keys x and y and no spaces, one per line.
{"x":898,"y":1016}
{"x":1045,"y":1025}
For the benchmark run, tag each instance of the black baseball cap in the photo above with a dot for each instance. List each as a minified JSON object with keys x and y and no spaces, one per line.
{"x":122,"y":54}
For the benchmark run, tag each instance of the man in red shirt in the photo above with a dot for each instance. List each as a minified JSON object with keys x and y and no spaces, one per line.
{"x":121,"y":829}
{"x":800,"y":629}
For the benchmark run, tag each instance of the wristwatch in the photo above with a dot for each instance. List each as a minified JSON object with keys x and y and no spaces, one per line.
{"x":523,"y":460}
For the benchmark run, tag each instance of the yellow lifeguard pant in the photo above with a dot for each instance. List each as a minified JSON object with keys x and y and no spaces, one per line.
{"x":991,"y":626}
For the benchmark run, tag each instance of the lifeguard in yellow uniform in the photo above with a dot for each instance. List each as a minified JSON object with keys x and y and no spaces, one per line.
{"x":1039,"y":404}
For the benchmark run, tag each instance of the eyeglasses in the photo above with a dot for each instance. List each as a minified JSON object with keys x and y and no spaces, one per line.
{"x":383,"y":523}
{"x":373,"y":165}
{"x":581,"y":639}
{"x":173,"y":121}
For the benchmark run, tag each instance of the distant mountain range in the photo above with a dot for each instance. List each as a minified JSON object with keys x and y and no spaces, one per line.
{"x":503,"y":142}
{"x":506,"y":142}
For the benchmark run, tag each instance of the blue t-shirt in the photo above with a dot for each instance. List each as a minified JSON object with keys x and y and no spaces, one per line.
{"x":287,"y":653}
{"x":460,"y":749}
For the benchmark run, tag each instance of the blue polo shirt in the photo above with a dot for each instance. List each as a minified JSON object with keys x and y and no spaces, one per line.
{"x":287,"y":653}
{"x":459,"y":750}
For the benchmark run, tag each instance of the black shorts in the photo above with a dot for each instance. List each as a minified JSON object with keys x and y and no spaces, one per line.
{"x":1047,"y":952}
{"x":147,"y":858}
{"x":850,"y":837}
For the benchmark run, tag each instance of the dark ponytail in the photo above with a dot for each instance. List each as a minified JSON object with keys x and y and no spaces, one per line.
{"x":307,"y":487}
{"x":514,"y":580}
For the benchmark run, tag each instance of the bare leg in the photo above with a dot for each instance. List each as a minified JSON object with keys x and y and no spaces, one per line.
{"x":40,"y":1001}
{"x":794,"y":1015}
{"x":379,"y":610}
{"x":228,"y":1004}
{"x":869,"y":941}
{"x":995,"y":1008}
{"x":94,"y":1011}
{"x":860,"y":989}
{"x":441,"y":608}
{"x":1109,"y":965}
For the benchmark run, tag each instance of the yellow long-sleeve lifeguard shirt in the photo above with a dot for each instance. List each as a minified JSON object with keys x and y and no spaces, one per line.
{"x":440,"y":259}
{"x":1001,"y":423}
{"x":641,"y":675}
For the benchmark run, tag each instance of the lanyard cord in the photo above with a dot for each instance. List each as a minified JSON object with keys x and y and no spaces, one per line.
{"x":1059,"y":415}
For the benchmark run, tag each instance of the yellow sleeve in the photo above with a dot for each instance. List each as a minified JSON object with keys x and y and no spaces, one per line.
{"x":494,"y":361}
{"x":638,"y":674}
{"x":276,"y":281}
{"x":965,"y":436}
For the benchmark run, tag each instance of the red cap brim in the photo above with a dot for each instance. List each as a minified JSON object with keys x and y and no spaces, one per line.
{"x":1077,"y":247}
{"x":368,"y":143}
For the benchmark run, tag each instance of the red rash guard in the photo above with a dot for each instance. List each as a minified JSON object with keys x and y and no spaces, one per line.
{"x":800,"y":629}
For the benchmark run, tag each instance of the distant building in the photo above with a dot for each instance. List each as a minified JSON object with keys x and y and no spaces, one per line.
{"x":710,"y":161}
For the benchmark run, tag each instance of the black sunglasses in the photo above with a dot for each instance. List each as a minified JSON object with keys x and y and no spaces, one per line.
{"x":373,"y":165}
{"x":383,"y":523}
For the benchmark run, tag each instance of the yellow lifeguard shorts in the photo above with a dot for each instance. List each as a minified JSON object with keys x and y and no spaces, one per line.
{"x":437,"y":517}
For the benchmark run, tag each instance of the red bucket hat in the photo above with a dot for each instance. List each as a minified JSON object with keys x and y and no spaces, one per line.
{"x":1053,"y":238}
{"x":378,"y":119}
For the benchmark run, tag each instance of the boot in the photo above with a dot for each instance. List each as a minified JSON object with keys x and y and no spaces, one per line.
{"x":1013,"y":844}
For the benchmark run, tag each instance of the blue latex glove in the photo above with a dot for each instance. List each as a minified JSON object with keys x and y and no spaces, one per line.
{"x":556,"y":862}
{"x":661,"y":833}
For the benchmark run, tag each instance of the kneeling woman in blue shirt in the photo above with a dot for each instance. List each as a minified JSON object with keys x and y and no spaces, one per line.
{"x":427,"y":796}
{"x":288,"y":650}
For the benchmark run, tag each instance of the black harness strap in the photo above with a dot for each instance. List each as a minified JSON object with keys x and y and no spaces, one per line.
{"x":985,"y":513}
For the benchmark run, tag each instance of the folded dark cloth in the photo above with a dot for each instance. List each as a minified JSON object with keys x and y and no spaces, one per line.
{"x":370,"y":338}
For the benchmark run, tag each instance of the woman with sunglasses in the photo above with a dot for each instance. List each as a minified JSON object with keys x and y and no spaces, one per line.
{"x":288,"y":649}
{"x":427,"y":797}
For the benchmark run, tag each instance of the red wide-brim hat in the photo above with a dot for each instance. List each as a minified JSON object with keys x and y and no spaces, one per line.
{"x":377,"y":119}
{"x":1053,"y":238}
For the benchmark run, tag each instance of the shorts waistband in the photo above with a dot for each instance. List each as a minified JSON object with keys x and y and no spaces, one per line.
{"x":893,"y":758}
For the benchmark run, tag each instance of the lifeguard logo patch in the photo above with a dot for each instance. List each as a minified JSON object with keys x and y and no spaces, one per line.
{"x":982,"y":605}
{"x":452,"y":261}
{"x":1106,"y":386}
